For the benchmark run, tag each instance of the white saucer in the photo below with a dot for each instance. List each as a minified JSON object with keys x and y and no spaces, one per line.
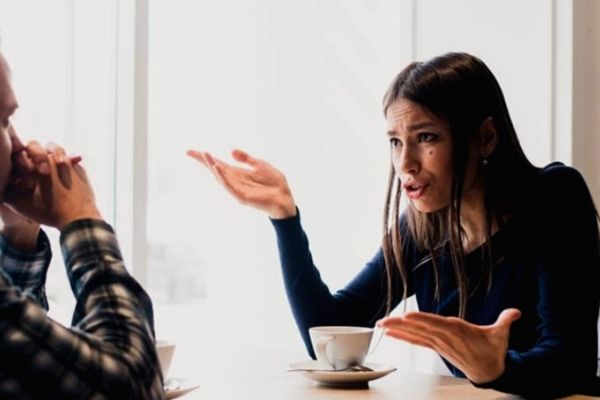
{"x":342,"y":378}
{"x":183,"y":387}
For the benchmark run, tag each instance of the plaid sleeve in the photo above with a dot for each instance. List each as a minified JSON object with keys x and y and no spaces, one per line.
{"x":109,"y":351}
{"x":27,"y":271}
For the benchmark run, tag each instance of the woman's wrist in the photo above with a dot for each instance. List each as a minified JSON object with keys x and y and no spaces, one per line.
{"x":287,"y":210}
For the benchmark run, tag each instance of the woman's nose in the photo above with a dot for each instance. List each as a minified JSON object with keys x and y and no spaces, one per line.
{"x":409,"y":161}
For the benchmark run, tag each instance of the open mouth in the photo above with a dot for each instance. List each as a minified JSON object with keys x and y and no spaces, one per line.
{"x":415,"y":190}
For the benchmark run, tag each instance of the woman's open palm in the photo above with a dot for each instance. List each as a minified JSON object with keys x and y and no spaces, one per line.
{"x":478,"y":351}
{"x":261,"y":185}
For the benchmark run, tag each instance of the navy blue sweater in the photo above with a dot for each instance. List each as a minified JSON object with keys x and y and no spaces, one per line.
{"x":546,"y":263}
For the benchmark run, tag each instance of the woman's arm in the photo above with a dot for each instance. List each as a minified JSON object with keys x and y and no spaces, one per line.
{"x":265,"y":188}
{"x":360,"y":303}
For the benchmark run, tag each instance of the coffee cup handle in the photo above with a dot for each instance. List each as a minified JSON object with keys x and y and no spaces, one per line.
{"x":321,"y":348}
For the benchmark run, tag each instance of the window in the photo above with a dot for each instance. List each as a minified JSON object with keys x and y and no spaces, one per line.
{"x":296,"y":83}
{"x":63,"y":61}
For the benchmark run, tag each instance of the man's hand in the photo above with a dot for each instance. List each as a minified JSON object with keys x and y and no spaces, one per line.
{"x":21,"y":232}
{"x":57,"y":198}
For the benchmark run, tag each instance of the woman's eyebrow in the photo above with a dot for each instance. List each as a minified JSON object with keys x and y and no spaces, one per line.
{"x":415,"y":127}
{"x":420,"y":125}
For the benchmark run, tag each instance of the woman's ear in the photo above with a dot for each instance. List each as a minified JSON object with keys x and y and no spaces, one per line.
{"x":488,"y":137}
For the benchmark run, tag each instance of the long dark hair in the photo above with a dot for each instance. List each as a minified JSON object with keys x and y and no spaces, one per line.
{"x":459,"y":88}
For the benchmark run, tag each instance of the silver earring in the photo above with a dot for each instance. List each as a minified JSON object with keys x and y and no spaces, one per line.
{"x":485,"y":161}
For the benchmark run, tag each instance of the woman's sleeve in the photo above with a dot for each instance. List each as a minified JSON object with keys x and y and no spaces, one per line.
{"x":564,"y":359}
{"x":361,"y":303}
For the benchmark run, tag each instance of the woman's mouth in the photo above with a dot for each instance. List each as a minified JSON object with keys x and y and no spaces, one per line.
{"x":415,"y":191}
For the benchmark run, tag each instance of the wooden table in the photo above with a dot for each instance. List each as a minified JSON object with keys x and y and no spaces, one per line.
{"x":259,"y":373}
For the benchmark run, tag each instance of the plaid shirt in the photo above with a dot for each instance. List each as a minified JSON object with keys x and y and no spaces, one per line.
{"x":108,"y":353}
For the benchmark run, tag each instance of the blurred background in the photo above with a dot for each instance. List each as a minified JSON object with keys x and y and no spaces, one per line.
{"x":131,"y":85}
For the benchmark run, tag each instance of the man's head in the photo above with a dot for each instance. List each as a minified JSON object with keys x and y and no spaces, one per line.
{"x":8,"y":139}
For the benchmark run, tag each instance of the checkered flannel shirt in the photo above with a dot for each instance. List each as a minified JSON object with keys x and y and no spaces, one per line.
{"x":107,"y":353}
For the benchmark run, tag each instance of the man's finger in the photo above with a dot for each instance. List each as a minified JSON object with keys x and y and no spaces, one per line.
{"x":75,"y":159}
{"x":22,"y":164}
{"x":57,"y":152}
{"x":39,"y":155}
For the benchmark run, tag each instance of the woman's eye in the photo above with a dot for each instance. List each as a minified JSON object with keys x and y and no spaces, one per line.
{"x":395,"y":142}
{"x":426,"y":137}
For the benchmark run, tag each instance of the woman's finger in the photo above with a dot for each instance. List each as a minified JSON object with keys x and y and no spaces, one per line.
{"x":448,"y":323}
{"x":439,"y":343}
{"x":410,"y":338}
{"x":434,"y":334}
{"x":507,"y":317}
{"x":198,"y":156}
{"x":211,"y":160}
{"x":228,"y":184}
{"x":243,"y":157}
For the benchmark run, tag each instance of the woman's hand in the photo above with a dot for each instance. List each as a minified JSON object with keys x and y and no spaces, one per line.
{"x":478,"y":351}
{"x":261,"y":186}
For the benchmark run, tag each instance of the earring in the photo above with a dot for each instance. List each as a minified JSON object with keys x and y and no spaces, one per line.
{"x":484,"y":161}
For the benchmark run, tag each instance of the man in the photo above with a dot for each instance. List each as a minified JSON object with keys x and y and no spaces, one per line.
{"x":108,"y":352}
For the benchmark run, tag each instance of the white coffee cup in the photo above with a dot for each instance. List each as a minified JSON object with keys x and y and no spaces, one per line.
{"x":165,"y":351}
{"x":340,"y":347}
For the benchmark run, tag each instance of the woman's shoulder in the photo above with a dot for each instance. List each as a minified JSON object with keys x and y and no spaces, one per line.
{"x":551,"y":190}
{"x":557,"y":171}
{"x":561,"y":182}
{"x":557,"y":189}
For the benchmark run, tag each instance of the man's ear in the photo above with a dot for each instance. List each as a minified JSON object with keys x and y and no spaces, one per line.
{"x":488,"y":137}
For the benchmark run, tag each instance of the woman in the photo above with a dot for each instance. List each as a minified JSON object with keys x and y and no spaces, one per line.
{"x":503,"y":257}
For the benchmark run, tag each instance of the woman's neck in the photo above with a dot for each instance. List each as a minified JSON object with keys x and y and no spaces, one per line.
{"x":473,"y":221}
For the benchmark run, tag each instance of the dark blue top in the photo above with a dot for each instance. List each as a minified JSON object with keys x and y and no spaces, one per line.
{"x":546,"y":263}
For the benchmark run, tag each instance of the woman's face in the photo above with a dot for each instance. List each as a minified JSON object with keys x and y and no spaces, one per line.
{"x":421,"y":154}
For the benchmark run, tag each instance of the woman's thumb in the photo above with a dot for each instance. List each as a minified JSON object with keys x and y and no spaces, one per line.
{"x":508,"y":316}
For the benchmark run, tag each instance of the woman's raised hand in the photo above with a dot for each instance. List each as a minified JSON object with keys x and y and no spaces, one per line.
{"x":261,"y":185}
